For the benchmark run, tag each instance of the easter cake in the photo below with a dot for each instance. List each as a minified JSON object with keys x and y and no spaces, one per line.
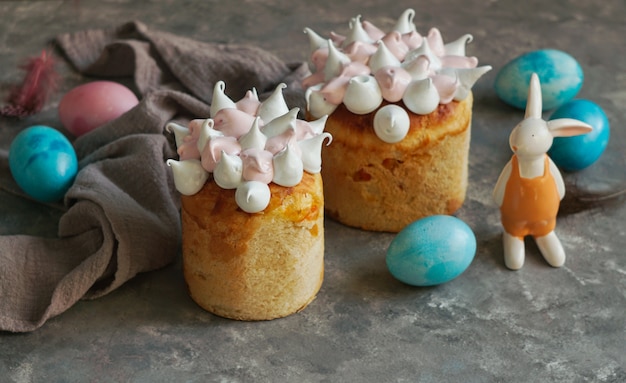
{"x":399,"y":107}
{"x":252,"y":207}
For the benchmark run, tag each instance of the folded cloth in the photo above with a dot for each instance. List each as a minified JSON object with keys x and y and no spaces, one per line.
{"x":122,"y":212}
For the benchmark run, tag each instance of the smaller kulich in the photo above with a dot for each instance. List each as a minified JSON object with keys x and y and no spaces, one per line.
{"x":379,"y":186}
{"x":399,"y":108}
{"x":257,"y":266}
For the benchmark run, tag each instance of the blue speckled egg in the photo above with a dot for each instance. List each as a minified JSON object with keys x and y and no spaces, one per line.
{"x":561,"y":78}
{"x":578,"y":152}
{"x":431,"y":251}
{"x":43,"y":163}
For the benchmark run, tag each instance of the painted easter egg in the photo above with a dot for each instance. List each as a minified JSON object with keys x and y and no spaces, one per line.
{"x":578,"y":152}
{"x":91,"y":105}
{"x":43,"y":163}
{"x":561,"y":78}
{"x":431,"y":251}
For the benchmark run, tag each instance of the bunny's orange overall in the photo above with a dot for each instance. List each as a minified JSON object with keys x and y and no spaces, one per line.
{"x":530,"y":205}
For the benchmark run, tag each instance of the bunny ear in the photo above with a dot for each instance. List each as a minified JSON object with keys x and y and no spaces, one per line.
{"x":567,"y":127}
{"x":534,"y":105}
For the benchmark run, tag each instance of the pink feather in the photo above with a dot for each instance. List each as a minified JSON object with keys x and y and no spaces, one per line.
{"x":40,"y":81}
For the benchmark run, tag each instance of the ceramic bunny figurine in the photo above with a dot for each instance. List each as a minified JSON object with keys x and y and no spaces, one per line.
{"x":530,"y":187}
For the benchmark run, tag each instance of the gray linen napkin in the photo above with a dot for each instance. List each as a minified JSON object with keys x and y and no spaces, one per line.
{"x":122,"y":214}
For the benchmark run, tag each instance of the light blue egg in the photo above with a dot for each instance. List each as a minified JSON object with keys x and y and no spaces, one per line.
{"x":43,"y":163}
{"x":578,"y":152}
{"x":431,"y":251}
{"x":561,"y":78}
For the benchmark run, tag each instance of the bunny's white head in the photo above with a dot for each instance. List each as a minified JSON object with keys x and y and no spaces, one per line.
{"x":533,"y":136}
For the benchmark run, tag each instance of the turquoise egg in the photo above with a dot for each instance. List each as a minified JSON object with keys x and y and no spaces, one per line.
{"x":578,"y":152}
{"x":561,"y":78}
{"x":43,"y":163}
{"x":431,"y":251}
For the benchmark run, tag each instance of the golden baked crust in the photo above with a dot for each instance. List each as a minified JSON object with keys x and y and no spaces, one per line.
{"x":254,"y":266}
{"x":377,"y":186}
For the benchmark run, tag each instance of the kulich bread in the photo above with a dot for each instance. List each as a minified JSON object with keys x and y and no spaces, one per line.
{"x":383,"y":187}
{"x":252,"y":206}
{"x":399,"y":107}
{"x":258,"y":266}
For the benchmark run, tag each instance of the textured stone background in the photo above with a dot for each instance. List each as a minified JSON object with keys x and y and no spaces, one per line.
{"x":489,"y":325}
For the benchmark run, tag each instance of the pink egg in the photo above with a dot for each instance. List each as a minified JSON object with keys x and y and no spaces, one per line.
{"x":91,"y":105}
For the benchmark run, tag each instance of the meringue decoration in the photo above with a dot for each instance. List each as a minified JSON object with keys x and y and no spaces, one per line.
{"x":391,"y":123}
{"x":421,"y":71}
{"x":253,"y":196}
{"x":246,"y":145}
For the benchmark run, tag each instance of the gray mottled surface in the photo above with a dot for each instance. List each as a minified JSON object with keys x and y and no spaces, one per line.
{"x":489,"y":325}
